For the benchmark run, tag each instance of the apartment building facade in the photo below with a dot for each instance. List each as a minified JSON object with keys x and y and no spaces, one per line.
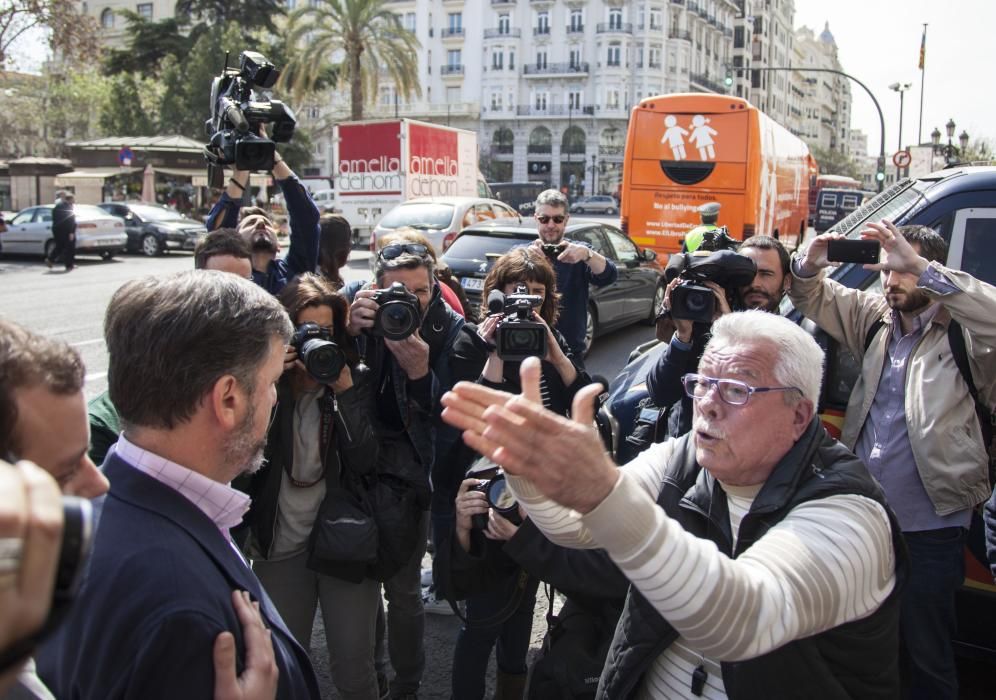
{"x":549,"y":84}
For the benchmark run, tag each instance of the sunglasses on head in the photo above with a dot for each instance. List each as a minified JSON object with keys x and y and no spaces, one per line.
{"x":394,"y":250}
{"x":557,"y":219}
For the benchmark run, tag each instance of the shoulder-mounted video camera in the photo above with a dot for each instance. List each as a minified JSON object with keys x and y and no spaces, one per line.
{"x":517,"y":335}
{"x":691,"y":300}
{"x":237,"y":111}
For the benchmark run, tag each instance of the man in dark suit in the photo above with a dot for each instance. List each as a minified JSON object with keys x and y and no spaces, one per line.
{"x":63,"y":232}
{"x":194,"y":359}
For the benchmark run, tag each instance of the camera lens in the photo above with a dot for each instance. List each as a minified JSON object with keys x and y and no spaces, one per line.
{"x":396,"y":320}
{"x":323,"y":359}
{"x":697,"y":301}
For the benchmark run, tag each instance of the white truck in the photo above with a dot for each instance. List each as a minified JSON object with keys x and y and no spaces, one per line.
{"x":380,"y":164}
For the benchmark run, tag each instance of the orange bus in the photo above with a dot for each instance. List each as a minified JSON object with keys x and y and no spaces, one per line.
{"x":684,"y":150}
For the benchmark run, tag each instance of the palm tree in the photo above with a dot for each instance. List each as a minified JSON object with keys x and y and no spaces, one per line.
{"x":370,"y":39}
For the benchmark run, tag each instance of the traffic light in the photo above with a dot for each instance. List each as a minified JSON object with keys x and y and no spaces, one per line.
{"x":728,"y":80}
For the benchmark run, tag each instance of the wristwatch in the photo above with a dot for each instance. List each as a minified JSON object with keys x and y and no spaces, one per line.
{"x":590,"y":253}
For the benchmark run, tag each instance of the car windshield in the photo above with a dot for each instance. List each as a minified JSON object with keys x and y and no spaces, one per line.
{"x":473,"y":246}
{"x":147,"y":213}
{"x":421,"y":216}
{"x":88,"y":211}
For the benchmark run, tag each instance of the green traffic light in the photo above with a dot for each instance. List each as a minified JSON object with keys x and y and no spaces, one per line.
{"x":728,"y":80}
{"x":880,"y":176}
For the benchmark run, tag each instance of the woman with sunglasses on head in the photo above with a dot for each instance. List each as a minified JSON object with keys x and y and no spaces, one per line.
{"x":320,"y":440}
{"x":473,"y":564}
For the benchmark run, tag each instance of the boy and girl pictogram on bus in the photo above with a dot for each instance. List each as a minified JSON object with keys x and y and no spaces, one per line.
{"x":701,"y":137}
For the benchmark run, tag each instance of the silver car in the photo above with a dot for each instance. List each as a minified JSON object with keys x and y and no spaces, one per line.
{"x":97,"y":232}
{"x":440,"y":219}
{"x":596,"y":204}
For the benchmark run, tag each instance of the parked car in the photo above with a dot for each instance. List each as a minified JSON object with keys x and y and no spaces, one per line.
{"x":960,"y":204}
{"x":154,"y":229}
{"x":440,"y":219}
{"x":97,"y":232}
{"x":833,"y":205}
{"x":595,"y":204}
{"x":634,"y":297}
{"x":324,"y":200}
{"x":521,"y":196}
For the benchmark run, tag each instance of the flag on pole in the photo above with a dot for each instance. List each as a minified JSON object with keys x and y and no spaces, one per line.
{"x":923,"y":48}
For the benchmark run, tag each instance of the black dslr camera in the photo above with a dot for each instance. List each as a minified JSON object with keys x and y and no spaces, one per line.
{"x":693,"y":301}
{"x":321,"y":357}
{"x":237,"y":111}
{"x":517,"y":335}
{"x":499,"y":497}
{"x":399,"y":314}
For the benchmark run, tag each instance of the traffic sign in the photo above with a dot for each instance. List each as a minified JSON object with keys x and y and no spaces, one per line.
{"x":901,"y":159}
{"x":125,"y":156}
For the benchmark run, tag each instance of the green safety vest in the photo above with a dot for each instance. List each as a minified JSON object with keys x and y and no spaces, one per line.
{"x":693,"y":239}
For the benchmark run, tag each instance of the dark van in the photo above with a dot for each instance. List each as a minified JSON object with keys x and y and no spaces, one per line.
{"x":521,"y":196}
{"x":833,"y":205}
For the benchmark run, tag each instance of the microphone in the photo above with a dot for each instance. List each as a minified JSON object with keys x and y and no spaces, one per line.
{"x":496,"y":302}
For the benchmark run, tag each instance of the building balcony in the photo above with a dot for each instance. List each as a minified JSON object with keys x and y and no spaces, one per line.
{"x":541,"y":31}
{"x":693,"y":6}
{"x":682,"y":34}
{"x":575,"y":29}
{"x":677,"y":2}
{"x":614,"y":28}
{"x":451,"y":71}
{"x":554,"y":111}
{"x":551,"y":69}
{"x":511,"y":33}
{"x":452,"y":33}
{"x":605,"y":150}
{"x":503,"y":2}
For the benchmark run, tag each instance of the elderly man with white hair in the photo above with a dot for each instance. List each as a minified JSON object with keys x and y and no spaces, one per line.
{"x":763,"y":559}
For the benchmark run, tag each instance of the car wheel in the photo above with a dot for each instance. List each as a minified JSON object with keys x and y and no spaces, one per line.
{"x":49,"y":247}
{"x":656,"y":304}
{"x":591,"y":323}
{"x":150,"y":246}
{"x":107,"y":254}
{"x":610,"y":211}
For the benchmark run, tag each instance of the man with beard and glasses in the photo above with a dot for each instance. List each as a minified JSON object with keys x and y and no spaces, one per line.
{"x":260,"y":232}
{"x":194,"y":359}
{"x":911,"y":417}
{"x":685,"y":347}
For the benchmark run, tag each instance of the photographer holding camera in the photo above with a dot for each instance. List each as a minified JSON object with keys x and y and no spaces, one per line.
{"x":764,"y":290}
{"x":577,"y":266}
{"x":320,"y":440}
{"x":405,"y":334}
{"x":517,"y":322}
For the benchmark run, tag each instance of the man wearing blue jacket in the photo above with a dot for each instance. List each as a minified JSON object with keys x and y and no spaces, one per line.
{"x":268,"y":271}
{"x":577,"y":266}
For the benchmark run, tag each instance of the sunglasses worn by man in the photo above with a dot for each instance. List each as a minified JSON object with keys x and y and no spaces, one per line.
{"x":394,"y":250}
{"x":557,"y":218}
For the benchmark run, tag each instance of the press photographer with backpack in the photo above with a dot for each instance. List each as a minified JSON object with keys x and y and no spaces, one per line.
{"x":910,"y":401}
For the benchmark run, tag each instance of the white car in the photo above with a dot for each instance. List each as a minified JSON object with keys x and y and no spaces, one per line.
{"x":440,"y":219}
{"x":97,"y":232}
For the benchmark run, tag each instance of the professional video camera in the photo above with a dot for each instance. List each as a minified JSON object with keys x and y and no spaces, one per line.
{"x":693,"y":301}
{"x":321,"y":357}
{"x":237,"y":111}
{"x":517,"y":336}
{"x":399,"y":314}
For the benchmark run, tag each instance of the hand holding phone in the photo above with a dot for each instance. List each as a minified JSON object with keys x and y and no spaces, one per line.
{"x":853,"y":251}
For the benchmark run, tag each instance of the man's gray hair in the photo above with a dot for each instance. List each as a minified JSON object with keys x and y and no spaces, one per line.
{"x":799,"y":360}
{"x":170,"y":339}
{"x":553,"y":198}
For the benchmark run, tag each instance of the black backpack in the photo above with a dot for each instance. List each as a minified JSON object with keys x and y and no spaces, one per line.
{"x":956,"y":339}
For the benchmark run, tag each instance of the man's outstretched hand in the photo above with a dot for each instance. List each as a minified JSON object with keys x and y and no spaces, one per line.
{"x":562,"y":457}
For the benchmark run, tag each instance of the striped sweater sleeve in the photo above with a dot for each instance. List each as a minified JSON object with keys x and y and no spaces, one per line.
{"x":828,"y":562}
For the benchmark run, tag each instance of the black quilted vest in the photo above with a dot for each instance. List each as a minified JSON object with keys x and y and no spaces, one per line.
{"x":859,"y":659}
